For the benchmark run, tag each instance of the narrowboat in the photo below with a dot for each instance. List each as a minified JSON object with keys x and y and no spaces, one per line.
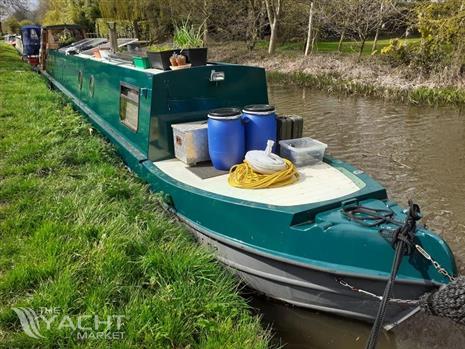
{"x":297,"y":244}
{"x":28,"y":43}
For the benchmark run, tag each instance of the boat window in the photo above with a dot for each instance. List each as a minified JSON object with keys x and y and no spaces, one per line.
{"x":33,"y":35}
{"x":80,"y":78}
{"x":91,"y":86}
{"x":129,"y":106}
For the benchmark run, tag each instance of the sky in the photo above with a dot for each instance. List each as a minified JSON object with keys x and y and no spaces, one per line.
{"x":33,"y":4}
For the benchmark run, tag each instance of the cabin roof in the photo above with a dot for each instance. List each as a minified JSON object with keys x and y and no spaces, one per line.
{"x":129,"y":64}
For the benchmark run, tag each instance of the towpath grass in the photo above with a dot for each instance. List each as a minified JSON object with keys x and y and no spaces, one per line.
{"x":80,"y":234}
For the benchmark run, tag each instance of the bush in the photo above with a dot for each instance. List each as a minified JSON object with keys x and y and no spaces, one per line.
{"x":442,"y":29}
{"x":441,"y":48}
{"x":398,"y":52}
{"x":11,"y":25}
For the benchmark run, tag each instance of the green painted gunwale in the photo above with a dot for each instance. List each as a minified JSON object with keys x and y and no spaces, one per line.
{"x":312,"y":235}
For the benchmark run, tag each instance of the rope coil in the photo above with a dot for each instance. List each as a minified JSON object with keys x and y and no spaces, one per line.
{"x":263,"y":169}
{"x":244,"y":176}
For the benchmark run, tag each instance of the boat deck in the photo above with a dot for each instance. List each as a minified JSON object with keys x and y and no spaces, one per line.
{"x":317,"y":183}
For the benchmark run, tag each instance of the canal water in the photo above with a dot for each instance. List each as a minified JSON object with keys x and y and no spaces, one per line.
{"x":416,"y":153}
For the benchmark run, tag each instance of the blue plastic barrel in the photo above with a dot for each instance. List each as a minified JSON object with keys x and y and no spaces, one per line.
{"x":260,"y":126}
{"x":226,"y":137}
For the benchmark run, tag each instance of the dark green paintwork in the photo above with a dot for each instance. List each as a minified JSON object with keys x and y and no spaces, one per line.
{"x":188,"y":95}
{"x":317,"y":235}
{"x":165,"y":98}
{"x":105,"y":99}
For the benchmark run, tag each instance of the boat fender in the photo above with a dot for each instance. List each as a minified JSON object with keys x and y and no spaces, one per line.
{"x":448,"y":301}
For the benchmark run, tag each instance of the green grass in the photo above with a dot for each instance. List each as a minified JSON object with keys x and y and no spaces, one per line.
{"x":347,"y":47}
{"x":80,"y":233}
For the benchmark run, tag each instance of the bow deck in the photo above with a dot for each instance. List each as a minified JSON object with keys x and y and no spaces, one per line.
{"x":317,"y":183}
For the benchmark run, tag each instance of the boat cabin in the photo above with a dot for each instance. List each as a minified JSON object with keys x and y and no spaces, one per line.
{"x":139,"y":106}
{"x":56,"y":36}
{"x":10,"y":39}
{"x":142,"y":104}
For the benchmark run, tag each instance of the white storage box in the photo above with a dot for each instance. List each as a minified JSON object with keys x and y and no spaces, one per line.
{"x":191,"y":142}
{"x":302,"y":151}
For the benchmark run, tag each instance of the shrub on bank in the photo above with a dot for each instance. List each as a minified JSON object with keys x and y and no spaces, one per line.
{"x":441,"y":49}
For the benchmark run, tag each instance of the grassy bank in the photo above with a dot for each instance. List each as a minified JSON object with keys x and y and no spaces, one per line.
{"x":344,"y":73}
{"x":332,"y":83}
{"x":81,"y":235}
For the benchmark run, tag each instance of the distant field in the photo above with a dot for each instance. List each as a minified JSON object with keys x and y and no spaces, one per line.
{"x":331,"y":46}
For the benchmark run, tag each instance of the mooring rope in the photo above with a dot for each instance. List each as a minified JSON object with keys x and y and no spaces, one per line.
{"x":402,"y":240}
{"x":244,"y":176}
{"x":448,"y":301}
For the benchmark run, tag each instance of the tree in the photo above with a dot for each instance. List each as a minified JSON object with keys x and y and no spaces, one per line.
{"x":11,"y":25}
{"x":378,"y":26}
{"x":25,"y":22}
{"x":334,"y":18}
{"x":309,"y":32}
{"x":442,"y":29}
{"x":40,"y":11}
{"x":82,"y":12}
{"x":357,"y":19}
{"x":273,"y":10}
{"x":254,"y":14}
{"x":7,"y":8}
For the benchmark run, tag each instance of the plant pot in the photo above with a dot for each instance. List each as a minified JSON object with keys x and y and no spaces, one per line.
{"x":161,"y":60}
{"x":196,"y":56}
{"x":96,"y":52}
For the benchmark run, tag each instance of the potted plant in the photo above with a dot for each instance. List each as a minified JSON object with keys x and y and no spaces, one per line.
{"x":159,"y":56}
{"x":190,"y":41}
{"x":179,"y":61}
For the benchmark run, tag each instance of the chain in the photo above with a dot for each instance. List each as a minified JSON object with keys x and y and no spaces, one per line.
{"x":359,"y":290}
{"x":426,"y":255}
{"x":435,"y":264}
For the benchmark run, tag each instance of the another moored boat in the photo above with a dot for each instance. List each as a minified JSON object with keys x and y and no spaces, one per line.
{"x":301,"y":243}
{"x":28,"y":43}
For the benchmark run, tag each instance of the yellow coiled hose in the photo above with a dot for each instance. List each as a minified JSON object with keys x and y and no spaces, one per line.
{"x":244,"y":176}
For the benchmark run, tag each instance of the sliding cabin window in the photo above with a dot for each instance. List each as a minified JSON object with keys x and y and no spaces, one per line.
{"x":129,"y":106}
{"x":91,"y":86}
{"x":80,"y":79}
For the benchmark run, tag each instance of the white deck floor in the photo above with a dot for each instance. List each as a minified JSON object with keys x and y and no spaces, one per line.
{"x":317,"y":183}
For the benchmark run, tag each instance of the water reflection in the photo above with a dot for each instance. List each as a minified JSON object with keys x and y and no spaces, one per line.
{"x":415,"y":152}
{"x":298,"y":328}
